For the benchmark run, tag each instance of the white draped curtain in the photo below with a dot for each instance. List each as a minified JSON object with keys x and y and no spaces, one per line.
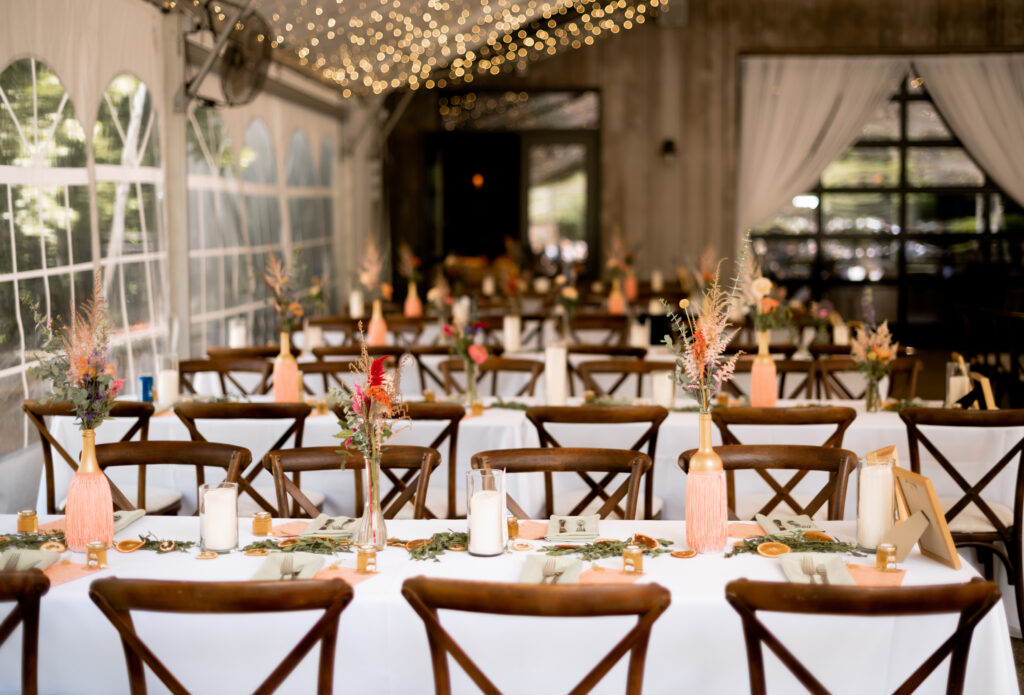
{"x":798,"y":114}
{"x":982,"y":100}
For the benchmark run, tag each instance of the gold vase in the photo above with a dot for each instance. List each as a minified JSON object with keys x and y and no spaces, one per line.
{"x":705,"y":460}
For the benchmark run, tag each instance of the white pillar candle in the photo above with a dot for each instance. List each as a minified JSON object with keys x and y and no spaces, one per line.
{"x":486,"y":519}
{"x":654,"y":306}
{"x":460,"y":311}
{"x":166,"y":388}
{"x":312,"y":337}
{"x":511,"y":333}
{"x":875,"y":501}
{"x":355,"y":304}
{"x":657,"y":281}
{"x":958,"y":387}
{"x":663,"y":389}
{"x":487,"y":286}
{"x":219,"y":523}
{"x":237,"y":333}
{"x":841,"y":334}
{"x":541,"y":285}
{"x":639,"y":336}
{"x":555,"y":372}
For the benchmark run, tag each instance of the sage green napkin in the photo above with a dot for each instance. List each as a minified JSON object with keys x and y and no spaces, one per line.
{"x":27,"y":559}
{"x":123,"y":519}
{"x":572,"y":529}
{"x":306,"y":564}
{"x":544,"y":569}
{"x":333,"y":526}
{"x":835,"y":568}
{"x":775,"y":525}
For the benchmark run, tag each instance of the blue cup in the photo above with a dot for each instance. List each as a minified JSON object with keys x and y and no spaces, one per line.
{"x":146,"y":388}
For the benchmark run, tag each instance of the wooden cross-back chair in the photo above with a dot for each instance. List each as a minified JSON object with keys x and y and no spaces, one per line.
{"x":837,"y":463}
{"x":118,"y":598}
{"x":624,"y":369}
{"x":653,"y":415}
{"x":452,"y":413}
{"x":785,"y":370}
{"x":620,"y":352}
{"x":611,"y":462}
{"x":353,"y":351}
{"x":226,"y":368}
{"x":188,"y":413}
{"x":985,"y":525}
{"x":25,"y":589}
{"x":347,"y":326}
{"x":972,"y":601}
{"x":408,"y":468}
{"x":903,"y":374}
{"x":38,"y":411}
{"x":332,"y":372}
{"x":428,"y":596}
{"x":263,"y":352}
{"x":408,"y":329}
{"x":419,"y":352}
{"x":231,"y":459}
{"x":493,"y":366}
{"x":616,"y":327}
{"x":787,"y":350}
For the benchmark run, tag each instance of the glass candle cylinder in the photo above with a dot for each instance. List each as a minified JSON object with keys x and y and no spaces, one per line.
{"x":485,"y":491}
{"x":238,"y":332}
{"x":429,"y":396}
{"x":875,"y":503}
{"x":476,"y":408}
{"x":218,"y":517}
{"x":885,"y":557}
{"x":366,"y":559}
{"x":96,"y":555}
{"x":958,"y":384}
{"x":513,"y":526}
{"x":166,"y":393}
{"x":261,"y":524}
{"x":663,"y":389}
{"x":28,"y":522}
{"x":633,"y":560}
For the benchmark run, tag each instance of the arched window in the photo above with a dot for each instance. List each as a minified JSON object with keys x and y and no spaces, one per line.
{"x":310,"y":233}
{"x":129,"y":199}
{"x":263,"y":220}
{"x":46,"y":245}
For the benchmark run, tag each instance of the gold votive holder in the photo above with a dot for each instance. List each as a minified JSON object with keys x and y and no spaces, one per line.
{"x":723,"y":399}
{"x":96,"y":555}
{"x":429,"y":396}
{"x":885,"y":557}
{"x":366,"y":559}
{"x":477,"y":408}
{"x":28,"y":522}
{"x":513,"y":527}
{"x":261,"y":524}
{"x":633,"y":560}
{"x":589,"y":396}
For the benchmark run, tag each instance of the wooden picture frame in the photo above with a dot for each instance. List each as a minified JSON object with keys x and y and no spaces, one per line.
{"x":936,"y":542}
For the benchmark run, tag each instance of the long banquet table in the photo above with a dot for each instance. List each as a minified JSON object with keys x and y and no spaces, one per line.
{"x":696,"y":646}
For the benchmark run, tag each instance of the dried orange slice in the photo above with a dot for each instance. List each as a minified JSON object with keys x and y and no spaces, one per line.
{"x":208,"y":555}
{"x":645,"y":541}
{"x":166,"y":546}
{"x":684,"y":554}
{"x":287,"y":542}
{"x":566,"y":546}
{"x":128,"y":546}
{"x":603,"y":540}
{"x":397,"y":542}
{"x":817,"y":536}
{"x":772,"y":549}
{"x":55,"y":547}
{"x":522,"y":545}
{"x":417,"y":543}
{"x":457,"y":548}
{"x":257,"y":552}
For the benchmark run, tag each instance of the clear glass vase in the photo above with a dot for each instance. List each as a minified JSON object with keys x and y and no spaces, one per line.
{"x":872,"y":398}
{"x":471,"y":393}
{"x":372,"y":530}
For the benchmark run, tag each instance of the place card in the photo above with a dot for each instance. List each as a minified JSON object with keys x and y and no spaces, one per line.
{"x":333,"y":526}
{"x":776,"y":525}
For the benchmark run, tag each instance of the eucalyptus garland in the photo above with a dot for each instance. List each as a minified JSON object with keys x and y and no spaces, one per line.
{"x":436,"y":545}
{"x":30,"y":541}
{"x":163,"y":545}
{"x":606,"y":548}
{"x":510,"y":405}
{"x":311,"y":544}
{"x":796,"y":544}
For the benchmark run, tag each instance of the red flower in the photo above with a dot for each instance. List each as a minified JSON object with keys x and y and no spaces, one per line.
{"x":376,"y":376}
{"x":478,"y":325}
{"x":448,"y":331}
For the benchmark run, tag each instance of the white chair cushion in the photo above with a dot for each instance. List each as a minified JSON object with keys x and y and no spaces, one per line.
{"x":157,"y":498}
{"x":749,"y":505}
{"x":972,"y":520}
{"x":247,"y":506}
{"x":566,"y":501}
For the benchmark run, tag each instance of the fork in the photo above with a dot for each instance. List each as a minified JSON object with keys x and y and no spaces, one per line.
{"x":12,"y":562}
{"x":549,"y":572}
{"x":823,"y":573}
{"x":807,"y":566}
{"x":286,"y":567}
{"x":297,"y":571}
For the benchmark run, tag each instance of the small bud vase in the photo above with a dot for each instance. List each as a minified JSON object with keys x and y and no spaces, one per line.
{"x":377,"y":331}
{"x":616,"y":300}
{"x":413,"y":307}
{"x":287,"y":388}
{"x":763,"y":384}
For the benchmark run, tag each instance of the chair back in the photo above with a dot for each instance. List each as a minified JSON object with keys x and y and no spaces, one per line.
{"x":800,"y":371}
{"x":332,"y":372}
{"x":839,"y":416}
{"x":903,"y":373}
{"x":493,"y":366}
{"x":226,"y":368}
{"x":408,"y":468}
{"x":354,"y":351}
{"x":117,"y":598}
{"x":615,"y":326}
{"x":188,"y":413}
{"x":785,"y":349}
{"x":231,"y":459}
{"x":428,"y":596}
{"x":38,"y":411}
{"x":583,"y":462}
{"x":263,"y":352}
{"x":624,"y":368}
{"x":451,"y":413}
{"x":654,"y":415}
{"x":972,"y":601}
{"x":837,"y":463}
{"x":25,"y":589}
{"x":617,"y":351}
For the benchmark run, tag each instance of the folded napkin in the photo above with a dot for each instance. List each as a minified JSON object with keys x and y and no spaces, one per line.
{"x":27,"y":559}
{"x":740,"y":530}
{"x":866,"y":575}
{"x":532,"y":530}
{"x":544,"y":569}
{"x":333,"y":526}
{"x":574,"y":529}
{"x":305,"y":563}
{"x":600,"y":575}
{"x":121,"y":520}
{"x":67,"y":571}
{"x":346,"y":574}
{"x":835,"y":568}
{"x":776,"y":524}
{"x":292,"y":528}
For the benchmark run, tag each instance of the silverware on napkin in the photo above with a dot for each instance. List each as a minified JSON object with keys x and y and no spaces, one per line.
{"x":286,"y":567}
{"x":807,"y":566}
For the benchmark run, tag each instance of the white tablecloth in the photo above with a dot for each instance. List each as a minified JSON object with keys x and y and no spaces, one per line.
{"x":696,"y":646}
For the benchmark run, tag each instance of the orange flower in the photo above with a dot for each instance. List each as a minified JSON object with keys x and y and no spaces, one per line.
{"x":769,"y":305}
{"x":378,"y":394}
{"x":386,"y":290}
{"x":295,"y":308}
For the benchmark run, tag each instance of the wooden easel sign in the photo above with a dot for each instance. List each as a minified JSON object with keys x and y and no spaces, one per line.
{"x":935,"y":540}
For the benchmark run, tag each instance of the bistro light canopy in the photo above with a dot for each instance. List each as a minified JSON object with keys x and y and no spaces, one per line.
{"x":371,"y":46}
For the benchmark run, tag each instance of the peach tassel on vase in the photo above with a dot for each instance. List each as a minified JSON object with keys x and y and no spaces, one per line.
{"x":616,"y":300}
{"x":287,"y":388}
{"x":89,"y":511}
{"x":630,"y":286}
{"x":377,"y":331}
{"x":707,"y":513}
{"x":763,"y":375}
{"x":413,"y":307}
